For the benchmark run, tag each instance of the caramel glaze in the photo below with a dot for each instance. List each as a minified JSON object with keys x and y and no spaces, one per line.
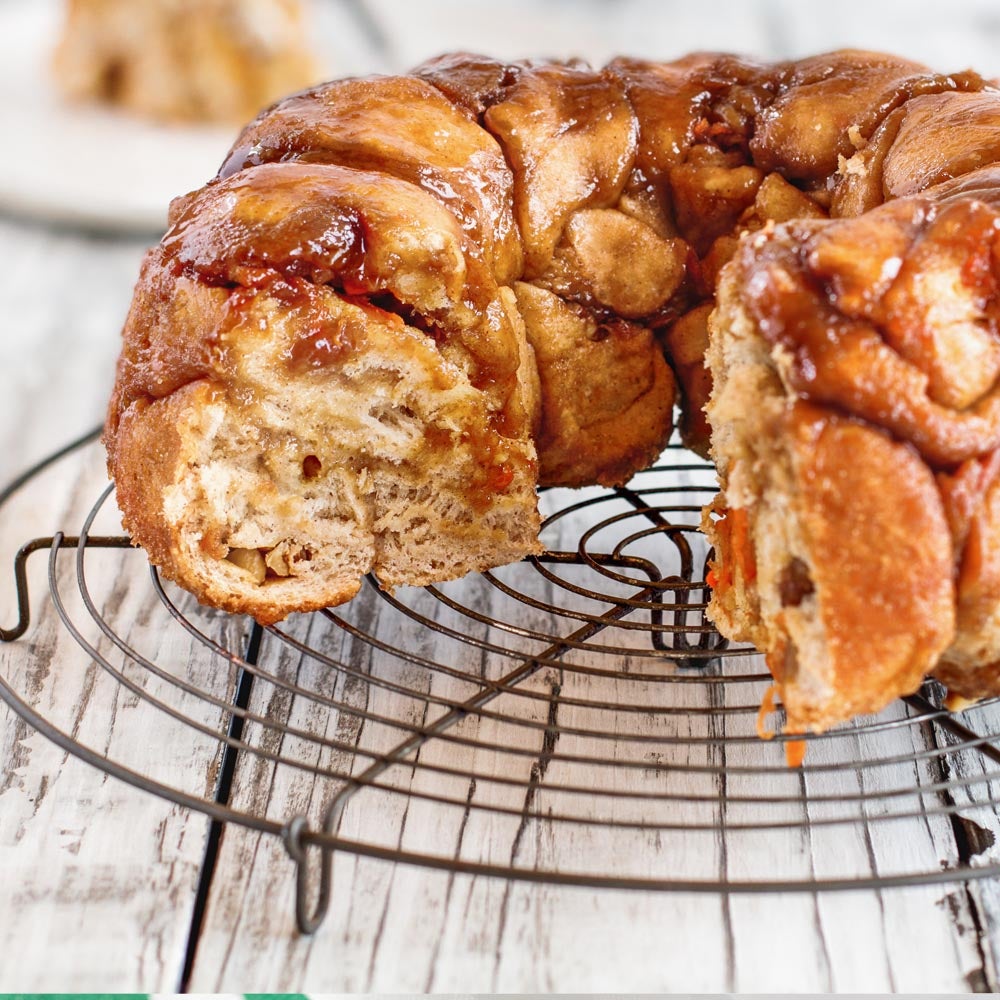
{"x":894,"y":318}
{"x":426,"y":194}
{"x":404,"y":128}
{"x":879,"y":355}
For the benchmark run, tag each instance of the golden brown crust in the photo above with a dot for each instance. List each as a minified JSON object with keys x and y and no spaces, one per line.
{"x":890,"y":320}
{"x":607,"y":393}
{"x":297,"y":467}
{"x":825,"y":106}
{"x":402,"y":127}
{"x":901,"y":337}
{"x":971,"y":666}
{"x":558,"y":169}
{"x":149,"y":455}
{"x":144,"y":450}
{"x":834,"y":545}
{"x":535,"y":247}
{"x":880,"y":563}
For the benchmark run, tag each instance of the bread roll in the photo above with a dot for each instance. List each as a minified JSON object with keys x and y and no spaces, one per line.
{"x":406,"y":301}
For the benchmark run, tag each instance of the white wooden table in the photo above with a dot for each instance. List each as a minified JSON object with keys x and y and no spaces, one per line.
{"x":99,"y":881}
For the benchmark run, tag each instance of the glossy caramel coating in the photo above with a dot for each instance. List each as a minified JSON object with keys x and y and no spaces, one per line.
{"x":824,"y":107}
{"x":890,"y":320}
{"x":556,"y":171}
{"x":553,"y":235}
{"x":903,"y":335}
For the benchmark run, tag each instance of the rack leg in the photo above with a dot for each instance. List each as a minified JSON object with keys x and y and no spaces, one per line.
{"x":294,"y":835}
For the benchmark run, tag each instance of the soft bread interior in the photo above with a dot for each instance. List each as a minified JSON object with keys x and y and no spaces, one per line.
{"x":770,"y":599}
{"x":319,"y":460}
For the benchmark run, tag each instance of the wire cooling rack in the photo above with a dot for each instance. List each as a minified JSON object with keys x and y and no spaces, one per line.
{"x":572,"y":719}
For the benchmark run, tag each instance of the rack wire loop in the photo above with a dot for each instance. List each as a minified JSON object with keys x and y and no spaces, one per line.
{"x":56,"y":541}
{"x":295,"y":835}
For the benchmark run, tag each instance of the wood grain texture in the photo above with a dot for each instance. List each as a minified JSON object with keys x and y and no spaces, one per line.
{"x":421,"y":930}
{"x":100,"y":878}
{"x":65,"y":297}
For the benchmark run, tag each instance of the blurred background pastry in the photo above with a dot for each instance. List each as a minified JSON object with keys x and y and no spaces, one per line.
{"x":185,"y":60}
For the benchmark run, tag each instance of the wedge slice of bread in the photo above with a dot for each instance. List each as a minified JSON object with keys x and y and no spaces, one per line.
{"x":833,"y":551}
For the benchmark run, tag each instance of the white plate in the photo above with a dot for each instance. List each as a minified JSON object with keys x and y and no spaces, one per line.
{"x":83,"y":165}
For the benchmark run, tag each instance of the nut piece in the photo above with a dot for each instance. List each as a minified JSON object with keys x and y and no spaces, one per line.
{"x":277,"y":560}
{"x":250,"y":561}
{"x":795,"y":583}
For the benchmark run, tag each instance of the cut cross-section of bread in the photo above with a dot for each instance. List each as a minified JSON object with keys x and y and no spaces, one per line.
{"x":856,"y":531}
{"x":305,"y":462}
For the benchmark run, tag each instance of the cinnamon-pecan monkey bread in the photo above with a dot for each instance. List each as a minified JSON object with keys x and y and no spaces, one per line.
{"x":406,"y":301}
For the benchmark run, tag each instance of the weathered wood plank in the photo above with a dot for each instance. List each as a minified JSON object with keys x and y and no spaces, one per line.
{"x":424,"y":930}
{"x":100,"y":877}
{"x":65,"y":297}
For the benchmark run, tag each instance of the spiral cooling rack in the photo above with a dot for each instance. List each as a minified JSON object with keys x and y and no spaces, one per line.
{"x":577,"y":708}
